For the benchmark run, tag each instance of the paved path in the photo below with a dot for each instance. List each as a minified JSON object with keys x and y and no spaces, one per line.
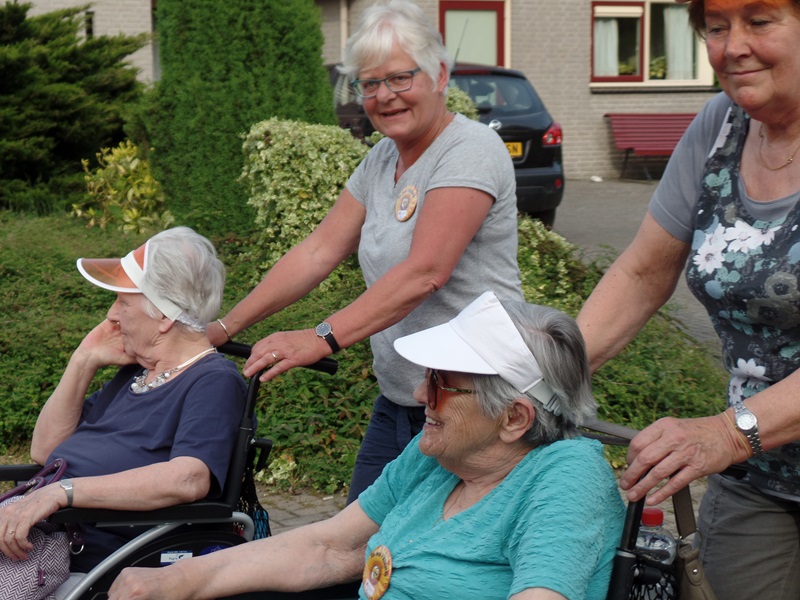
{"x":596,"y":217}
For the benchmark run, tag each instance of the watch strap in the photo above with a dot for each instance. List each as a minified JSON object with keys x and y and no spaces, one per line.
{"x":66,"y":485}
{"x":328,"y":336}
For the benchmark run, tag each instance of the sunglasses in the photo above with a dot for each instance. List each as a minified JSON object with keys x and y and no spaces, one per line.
{"x":435,"y":387}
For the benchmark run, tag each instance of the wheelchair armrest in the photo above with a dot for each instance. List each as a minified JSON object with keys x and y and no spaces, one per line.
{"x":195,"y":511}
{"x":18,"y":472}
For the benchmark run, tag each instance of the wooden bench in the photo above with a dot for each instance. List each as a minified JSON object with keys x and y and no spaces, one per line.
{"x":647,"y":134}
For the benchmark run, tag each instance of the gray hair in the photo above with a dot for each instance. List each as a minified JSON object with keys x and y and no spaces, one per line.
{"x":183,"y":267}
{"x":557,"y":344}
{"x":398,"y":21}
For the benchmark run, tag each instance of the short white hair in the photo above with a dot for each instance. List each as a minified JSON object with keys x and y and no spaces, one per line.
{"x":401,"y":22}
{"x":183,"y":267}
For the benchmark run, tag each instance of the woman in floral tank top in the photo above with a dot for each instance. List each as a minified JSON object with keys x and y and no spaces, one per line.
{"x":726,"y":213}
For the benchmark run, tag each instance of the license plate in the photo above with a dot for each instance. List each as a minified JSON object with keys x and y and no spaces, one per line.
{"x":514,"y":149}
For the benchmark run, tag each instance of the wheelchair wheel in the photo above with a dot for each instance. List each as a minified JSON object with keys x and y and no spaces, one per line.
{"x":182,"y":543}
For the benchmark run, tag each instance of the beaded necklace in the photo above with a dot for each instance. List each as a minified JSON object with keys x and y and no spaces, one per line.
{"x":139,"y":386}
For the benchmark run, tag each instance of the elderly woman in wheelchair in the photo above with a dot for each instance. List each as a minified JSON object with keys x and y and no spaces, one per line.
{"x":161,"y":431}
{"x":498,"y":497}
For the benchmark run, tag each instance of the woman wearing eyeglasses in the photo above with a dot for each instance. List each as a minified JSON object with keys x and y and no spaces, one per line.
{"x":498,"y":497}
{"x":431,"y":211}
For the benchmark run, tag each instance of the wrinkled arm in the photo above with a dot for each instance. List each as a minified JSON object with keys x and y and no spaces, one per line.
{"x":448,"y":221}
{"x":691,"y":448}
{"x":317,"y":555}
{"x":60,"y":415}
{"x":639,"y":282}
{"x":180,"y":480}
{"x":300,"y":270}
{"x":538,"y":594}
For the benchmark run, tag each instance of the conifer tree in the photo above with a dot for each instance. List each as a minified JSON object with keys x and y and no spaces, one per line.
{"x":62,"y":97}
{"x":227,"y":65}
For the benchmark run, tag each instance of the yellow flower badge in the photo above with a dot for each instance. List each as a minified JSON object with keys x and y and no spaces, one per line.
{"x":406,"y":203}
{"x":377,"y":573}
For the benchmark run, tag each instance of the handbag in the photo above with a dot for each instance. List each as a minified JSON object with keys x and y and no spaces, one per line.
{"x":692,"y":580}
{"x":47,"y":565}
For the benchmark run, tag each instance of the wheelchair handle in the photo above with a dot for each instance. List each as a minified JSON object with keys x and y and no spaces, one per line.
{"x":326,"y":365}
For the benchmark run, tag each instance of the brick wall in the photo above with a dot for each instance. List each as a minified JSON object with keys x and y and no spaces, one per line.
{"x":551,"y":44}
{"x":110,"y":18}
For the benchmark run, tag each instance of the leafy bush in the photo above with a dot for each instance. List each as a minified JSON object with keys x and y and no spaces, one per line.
{"x":293,"y":173}
{"x":47,"y":308}
{"x":225,"y":66}
{"x":123,"y":193}
{"x":62,"y":98}
{"x":458,"y":101}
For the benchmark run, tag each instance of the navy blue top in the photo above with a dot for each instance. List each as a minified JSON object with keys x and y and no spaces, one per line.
{"x":196,"y":414}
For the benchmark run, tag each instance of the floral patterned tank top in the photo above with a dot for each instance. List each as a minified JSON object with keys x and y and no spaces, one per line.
{"x":746,"y":272}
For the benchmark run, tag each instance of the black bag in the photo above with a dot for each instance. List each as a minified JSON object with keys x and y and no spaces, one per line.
{"x":248,"y":496}
{"x":47,"y":566}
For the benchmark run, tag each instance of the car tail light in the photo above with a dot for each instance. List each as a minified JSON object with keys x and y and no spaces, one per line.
{"x":552,"y":137}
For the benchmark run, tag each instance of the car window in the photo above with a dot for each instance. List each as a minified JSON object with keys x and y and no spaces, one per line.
{"x":342,"y":90}
{"x":499,"y":94}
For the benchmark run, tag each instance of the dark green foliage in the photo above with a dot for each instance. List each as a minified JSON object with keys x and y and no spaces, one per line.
{"x":61,"y":100}
{"x":225,"y":66}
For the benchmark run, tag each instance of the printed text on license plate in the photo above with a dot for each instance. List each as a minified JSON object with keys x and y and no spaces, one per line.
{"x":514,"y":149}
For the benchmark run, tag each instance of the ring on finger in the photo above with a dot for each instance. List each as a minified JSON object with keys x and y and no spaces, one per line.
{"x":10,"y":532}
{"x":275,"y":356}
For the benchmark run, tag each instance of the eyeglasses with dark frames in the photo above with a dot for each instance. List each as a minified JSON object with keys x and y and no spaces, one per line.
{"x":435,"y":388}
{"x":396,"y":82}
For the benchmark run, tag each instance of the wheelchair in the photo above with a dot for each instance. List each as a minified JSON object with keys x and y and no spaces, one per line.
{"x":176,"y":532}
{"x":198,"y":528}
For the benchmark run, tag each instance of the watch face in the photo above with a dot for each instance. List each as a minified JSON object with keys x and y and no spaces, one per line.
{"x":746,"y":421}
{"x":323,"y":329}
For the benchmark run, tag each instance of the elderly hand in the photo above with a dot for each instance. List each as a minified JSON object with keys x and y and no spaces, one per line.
{"x":16,"y":519}
{"x":147,"y":584}
{"x":284,"y":350}
{"x":679,"y":451}
{"x":103,"y":346}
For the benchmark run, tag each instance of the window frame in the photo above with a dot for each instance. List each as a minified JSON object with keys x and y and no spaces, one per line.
{"x":496,"y":6}
{"x":704,"y":76}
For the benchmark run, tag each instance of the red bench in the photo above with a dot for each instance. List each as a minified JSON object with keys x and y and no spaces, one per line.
{"x":647,"y":134}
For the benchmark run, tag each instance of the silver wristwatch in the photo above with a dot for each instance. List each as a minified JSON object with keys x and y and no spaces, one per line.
{"x":66,"y":485}
{"x":747,"y":423}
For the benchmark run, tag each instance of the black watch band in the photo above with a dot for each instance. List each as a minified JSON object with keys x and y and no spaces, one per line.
{"x":325,"y":331}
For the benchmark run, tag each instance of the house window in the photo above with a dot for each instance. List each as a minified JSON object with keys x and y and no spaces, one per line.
{"x":648,"y":42}
{"x":473,"y":30}
{"x":88,"y":23}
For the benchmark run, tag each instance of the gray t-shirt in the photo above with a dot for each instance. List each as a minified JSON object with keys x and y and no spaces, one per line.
{"x":674,"y":203}
{"x":466,"y":154}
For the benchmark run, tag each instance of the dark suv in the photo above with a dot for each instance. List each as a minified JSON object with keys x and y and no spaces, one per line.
{"x":508,"y":104}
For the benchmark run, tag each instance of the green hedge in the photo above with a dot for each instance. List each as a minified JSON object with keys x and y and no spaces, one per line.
{"x":227,"y":65}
